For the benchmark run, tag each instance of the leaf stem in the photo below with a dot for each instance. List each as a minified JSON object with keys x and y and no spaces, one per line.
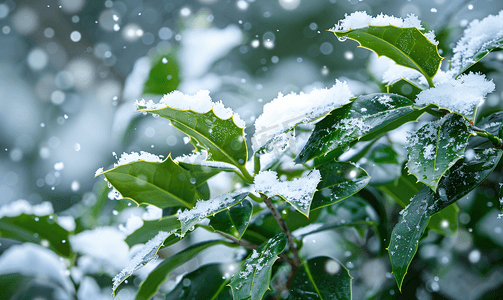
{"x":256,"y":163}
{"x":497,"y":142}
{"x":245,"y":175}
{"x":430,"y":82}
{"x":255,"y":198}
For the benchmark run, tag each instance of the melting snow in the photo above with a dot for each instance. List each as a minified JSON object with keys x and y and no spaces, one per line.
{"x":284,"y":112}
{"x":460,"y":95}
{"x":148,"y":252}
{"x":200,"y":103}
{"x":298,"y":191}
{"x":361,"y":19}
{"x":478,"y":35}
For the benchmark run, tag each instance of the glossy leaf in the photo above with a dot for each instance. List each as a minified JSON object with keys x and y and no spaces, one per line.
{"x":207,"y":282}
{"x":163,"y":77}
{"x":204,"y":209}
{"x":151,"y":228}
{"x":486,"y":48}
{"x":160,"y":274}
{"x":321,"y":278}
{"x":234,"y":220}
{"x":341,"y":179}
{"x":143,"y":257}
{"x":407,"y":47}
{"x":223,"y":139}
{"x":201,"y":173}
{"x":36,"y":229}
{"x":252,"y":280}
{"x":365,"y":118}
{"x":163,"y":184}
{"x":404,"y":87}
{"x":463,"y":177}
{"x":436,"y":147}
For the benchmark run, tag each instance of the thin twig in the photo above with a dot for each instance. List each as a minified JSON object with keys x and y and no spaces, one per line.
{"x":295,"y":263}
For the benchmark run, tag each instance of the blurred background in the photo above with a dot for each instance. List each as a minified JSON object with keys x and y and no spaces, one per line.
{"x":70,"y":71}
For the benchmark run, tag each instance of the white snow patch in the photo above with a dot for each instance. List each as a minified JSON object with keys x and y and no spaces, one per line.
{"x":298,"y":191}
{"x":153,"y":213}
{"x":105,"y":244}
{"x":478,"y":35}
{"x":360,"y":19}
{"x":200,"y":48}
{"x":284,"y":112}
{"x":132,"y":223}
{"x":148,"y":252}
{"x":199,"y":102}
{"x":460,"y":95}
{"x":67,"y":222}
{"x":22,"y":206}
{"x":199,"y":158}
{"x":205,"y":208}
{"x":34,"y":260}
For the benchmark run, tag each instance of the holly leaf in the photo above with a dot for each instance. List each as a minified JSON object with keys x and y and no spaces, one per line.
{"x":252,"y":280}
{"x":404,"y":87}
{"x":436,"y":147}
{"x":163,"y":184}
{"x":459,"y":180}
{"x":206,"y":208}
{"x":223,"y":139}
{"x":36,"y":229}
{"x":206,"y":282}
{"x":321,"y":278}
{"x":407,"y":47}
{"x":234,"y":220}
{"x":163,"y":77}
{"x":462,"y":62}
{"x":339,"y":180}
{"x":151,"y":228}
{"x":365,"y":118}
{"x":160,"y":274}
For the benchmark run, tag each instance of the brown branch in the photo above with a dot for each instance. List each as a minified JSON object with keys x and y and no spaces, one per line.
{"x":295,"y":263}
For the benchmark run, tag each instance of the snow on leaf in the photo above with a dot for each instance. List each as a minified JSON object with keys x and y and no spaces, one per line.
{"x":462,"y":95}
{"x":480,"y":38}
{"x":298,"y":192}
{"x":204,"y":208}
{"x":286,"y":111}
{"x":436,"y":147}
{"x":252,"y":280}
{"x":146,"y":254}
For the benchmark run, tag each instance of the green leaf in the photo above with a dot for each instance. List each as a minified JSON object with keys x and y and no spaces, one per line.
{"x":467,"y":62}
{"x":36,"y":229}
{"x":151,"y":228}
{"x":164,"y":66}
{"x":321,"y":278}
{"x":163,"y":184}
{"x":234,"y":220}
{"x":366,"y":117}
{"x":404,"y":87}
{"x":204,"y":209}
{"x":201,"y":173}
{"x":436,"y":147}
{"x":160,"y":274}
{"x":223,"y":139}
{"x":492,"y":124}
{"x":146,"y":254}
{"x":463,"y":177}
{"x":341,"y":180}
{"x":383,"y":164}
{"x":207,"y":282}
{"x":252,"y":280}
{"x":407,"y":47}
